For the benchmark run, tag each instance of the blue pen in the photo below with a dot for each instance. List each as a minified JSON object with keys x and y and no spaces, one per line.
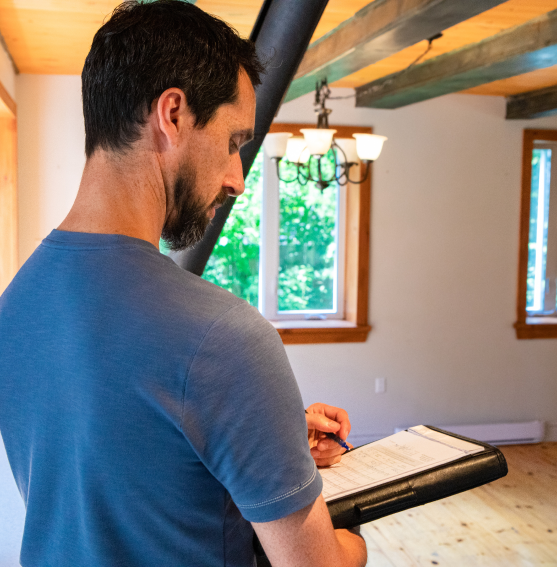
{"x":338,"y":440}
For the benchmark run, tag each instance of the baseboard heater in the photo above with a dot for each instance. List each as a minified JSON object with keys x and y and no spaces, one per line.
{"x":501,"y":433}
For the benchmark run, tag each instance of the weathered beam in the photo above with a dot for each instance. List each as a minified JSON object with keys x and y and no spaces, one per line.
{"x":533,"y":104}
{"x":378,"y":30}
{"x":519,"y":50}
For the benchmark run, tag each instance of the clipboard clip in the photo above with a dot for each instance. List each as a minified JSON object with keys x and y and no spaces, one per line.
{"x":385,"y":499}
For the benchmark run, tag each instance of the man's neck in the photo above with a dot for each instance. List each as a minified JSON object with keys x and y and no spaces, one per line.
{"x":119,"y":196}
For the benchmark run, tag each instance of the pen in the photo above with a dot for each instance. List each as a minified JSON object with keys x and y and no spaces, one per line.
{"x":336,"y":439}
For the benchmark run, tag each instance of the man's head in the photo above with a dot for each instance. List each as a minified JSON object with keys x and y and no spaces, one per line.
{"x":171,"y":57}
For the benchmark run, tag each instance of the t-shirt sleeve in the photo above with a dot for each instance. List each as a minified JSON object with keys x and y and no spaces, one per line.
{"x":244,"y":417}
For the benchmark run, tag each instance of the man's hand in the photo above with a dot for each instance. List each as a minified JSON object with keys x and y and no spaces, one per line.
{"x":322,"y":418}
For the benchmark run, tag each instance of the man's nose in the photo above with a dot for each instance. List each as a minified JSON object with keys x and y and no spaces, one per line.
{"x":234,"y":180}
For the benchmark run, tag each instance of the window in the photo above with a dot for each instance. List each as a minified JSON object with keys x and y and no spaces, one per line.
{"x":303,"y":247}
{"x":537,"y":285}
{"x":299,"y":255}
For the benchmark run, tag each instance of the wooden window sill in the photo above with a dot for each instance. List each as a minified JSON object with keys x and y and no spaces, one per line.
{"x":331,"y":331}
{"x":537,"y":328}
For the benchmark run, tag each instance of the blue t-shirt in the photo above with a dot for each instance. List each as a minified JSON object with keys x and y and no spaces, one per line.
{"x":147,"y":414}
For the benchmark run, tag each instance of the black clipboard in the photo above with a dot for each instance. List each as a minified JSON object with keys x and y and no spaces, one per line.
{"x":465,"y":473}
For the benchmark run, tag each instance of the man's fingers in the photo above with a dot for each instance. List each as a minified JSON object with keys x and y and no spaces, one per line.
{"x":325,"y":454}
{"x":329,"y":445}
{"x":321,"y":422}
{"x":327,"y":462}
{"x":338,"y":415}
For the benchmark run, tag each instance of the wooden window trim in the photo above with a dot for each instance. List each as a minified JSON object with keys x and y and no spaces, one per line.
{"x":8,"y":189}
{"x":354,"y":328}
{"x":525,"y":328}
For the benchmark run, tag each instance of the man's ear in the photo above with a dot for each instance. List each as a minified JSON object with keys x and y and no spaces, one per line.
{"x":172,"y":117}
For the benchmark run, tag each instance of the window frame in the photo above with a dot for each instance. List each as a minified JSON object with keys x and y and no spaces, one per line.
{"x":528,"y":327}
{"x":354,"y":326}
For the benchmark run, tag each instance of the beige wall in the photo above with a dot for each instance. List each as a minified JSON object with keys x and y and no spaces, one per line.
{"x":51,"y":153}
{"x":444,"y":258}
{"x":445,"y":212}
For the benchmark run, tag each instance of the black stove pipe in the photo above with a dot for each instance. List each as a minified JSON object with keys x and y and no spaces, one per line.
{"x":281,"y":33}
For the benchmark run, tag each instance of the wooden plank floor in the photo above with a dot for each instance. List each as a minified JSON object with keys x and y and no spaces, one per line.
{"x":510,"y":522}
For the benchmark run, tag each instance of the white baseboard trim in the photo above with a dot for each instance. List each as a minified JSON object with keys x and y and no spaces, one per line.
{"x":499,"y":434}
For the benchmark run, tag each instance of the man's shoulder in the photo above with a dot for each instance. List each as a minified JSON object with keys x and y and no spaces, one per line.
{"x":190,"y":293}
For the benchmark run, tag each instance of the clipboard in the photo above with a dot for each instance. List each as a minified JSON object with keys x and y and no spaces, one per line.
{"x":465,"y":473}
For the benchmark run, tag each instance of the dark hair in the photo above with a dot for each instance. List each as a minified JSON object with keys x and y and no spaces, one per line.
{"x":144,"y":49}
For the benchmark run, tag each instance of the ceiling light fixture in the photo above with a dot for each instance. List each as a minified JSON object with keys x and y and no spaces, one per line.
{"x":307,"y":153}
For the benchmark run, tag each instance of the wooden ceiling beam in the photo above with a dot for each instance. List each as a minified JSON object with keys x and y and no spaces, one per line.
{"x":378,"y":30}
{"x":519,"y":50}
{"x":533,"y":104}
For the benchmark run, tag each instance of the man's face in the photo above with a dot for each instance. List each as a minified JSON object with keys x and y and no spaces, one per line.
{"x":211,"y":169}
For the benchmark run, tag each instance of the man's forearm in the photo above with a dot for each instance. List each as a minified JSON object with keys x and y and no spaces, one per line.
{"x":306,"y":538}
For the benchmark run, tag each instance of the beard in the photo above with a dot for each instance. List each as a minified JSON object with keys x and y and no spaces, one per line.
{"x":189,"y":216}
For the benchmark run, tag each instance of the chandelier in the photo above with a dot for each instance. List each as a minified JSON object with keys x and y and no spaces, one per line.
{"x":307,"y":153}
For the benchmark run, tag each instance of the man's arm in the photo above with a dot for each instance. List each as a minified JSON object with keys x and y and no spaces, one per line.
{"x":307,"y":539}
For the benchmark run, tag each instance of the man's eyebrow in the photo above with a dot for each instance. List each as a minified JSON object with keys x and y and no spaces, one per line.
{"x":245,"y":135}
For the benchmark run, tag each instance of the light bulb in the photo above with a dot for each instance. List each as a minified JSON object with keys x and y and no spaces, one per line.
{"x":275,"y":144}
{"x":318,"y":140}
{"x":369,"y":146}
{"x":296,"y":150}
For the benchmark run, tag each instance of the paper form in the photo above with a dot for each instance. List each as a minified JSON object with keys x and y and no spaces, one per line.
{"x":399,"y":455}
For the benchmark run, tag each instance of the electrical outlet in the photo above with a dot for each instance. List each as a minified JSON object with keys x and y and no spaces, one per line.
{"x":380,"y":385}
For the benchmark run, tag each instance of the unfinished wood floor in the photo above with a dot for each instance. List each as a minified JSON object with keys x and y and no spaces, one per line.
{"x":510,"y":522}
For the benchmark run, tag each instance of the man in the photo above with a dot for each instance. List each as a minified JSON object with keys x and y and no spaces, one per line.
{"x":151,"y":418}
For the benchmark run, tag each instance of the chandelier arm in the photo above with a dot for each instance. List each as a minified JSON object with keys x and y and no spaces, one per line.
{"x":302,"y":179}
{"x":335,"y":146}
{"x":319,"y":171}
{"x":366,"y":173}
{"x":277,"y":161}
{"x":344,"y":165}
{"x":343,"y":175}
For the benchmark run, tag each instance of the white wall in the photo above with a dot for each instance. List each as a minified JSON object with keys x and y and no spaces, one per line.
{"x":51,"y":153}
{"x":444,"y":249}
{"x":445,"y":213}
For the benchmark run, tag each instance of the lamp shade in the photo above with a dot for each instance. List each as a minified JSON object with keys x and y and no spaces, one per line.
{"x":348,"y":146}
{"x":318,"y":140}
{"x":369,"y":146}
{"x":275,"y":144}
{"x":296,"y":150}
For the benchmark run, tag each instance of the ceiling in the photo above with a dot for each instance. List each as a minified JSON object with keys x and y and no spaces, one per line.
{"x":53,"y":36}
